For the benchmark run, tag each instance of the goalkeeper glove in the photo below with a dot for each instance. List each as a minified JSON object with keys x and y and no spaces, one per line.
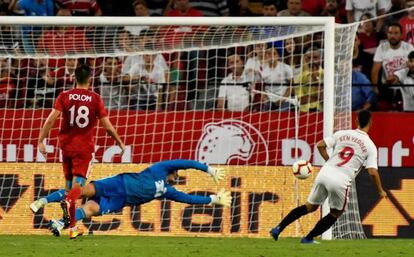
{"x":222,"y":197}
{"x":216,"y":173}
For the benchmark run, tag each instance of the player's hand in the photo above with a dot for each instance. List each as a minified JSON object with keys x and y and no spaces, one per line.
{"x":123,"y":147}
{"x":42,"y":148}
{"x":216,"y":173}
{"x":222,"y":197}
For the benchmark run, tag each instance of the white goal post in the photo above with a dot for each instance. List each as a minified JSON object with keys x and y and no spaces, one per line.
{"x":228,"y":33}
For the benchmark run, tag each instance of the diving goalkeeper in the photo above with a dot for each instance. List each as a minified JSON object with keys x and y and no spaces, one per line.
{"x":111,"y":194}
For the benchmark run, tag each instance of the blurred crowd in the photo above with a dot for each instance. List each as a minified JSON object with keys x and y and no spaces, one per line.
{"x":232,"y":79}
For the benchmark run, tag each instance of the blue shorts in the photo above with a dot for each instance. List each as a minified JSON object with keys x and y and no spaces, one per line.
{"x":110,"y":194}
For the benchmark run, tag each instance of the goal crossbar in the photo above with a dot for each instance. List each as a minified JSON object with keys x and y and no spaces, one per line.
{"x":162,"y":21}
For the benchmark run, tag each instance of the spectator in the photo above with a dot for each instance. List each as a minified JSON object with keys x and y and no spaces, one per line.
{"x":406,"y":77}
{"x":294,"y":8}
{"x":391,"y":56}
{"x":183,"y":8}
{"x":310,"y":90}
{"x":256,"y":61}
{"x":314,"y":7}
{"x":361,"y":60}
{"x":80,"y":7}
{"x":278,"y":79}
{"x":30,"y":34}
{"x":291,"y":55}
{"x":65,"y":76}
{"x":332,"y":9}
{"x":175,"y":36}
{"x":8,"y":43}
{"x":233,"y":90}
{"x":395,"y":13}
{"x":125,"y":45}
{"x":269,"y":8}
{"x":239,"y":8}
{"x":114,"y":92}
{"x":59,"y":40}
{"x":41,"y":84}
{"x":369,"y":37}
{"x":33,"y":7}
{"x":211,"y":7}
{"x":150,"y":78}
{"x":363,"y":95}
{"x":141,"y":10}
{"x":132,"y":59}
{"x":312,"y":57}
{"x":407,"y":24}
{"x":356,"y":8}
{"x":8,"y":8}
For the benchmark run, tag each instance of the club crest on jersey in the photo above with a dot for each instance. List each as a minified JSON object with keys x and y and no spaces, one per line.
{"x":80,"y":97}
{"x":231,"y":142}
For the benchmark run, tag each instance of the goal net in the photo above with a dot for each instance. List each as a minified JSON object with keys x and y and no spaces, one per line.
{"x":250,"y":96}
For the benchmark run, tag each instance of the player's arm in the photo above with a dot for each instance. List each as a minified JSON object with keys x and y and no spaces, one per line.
{"x":221,"y":198}
{"x":44,"y":132}
{"x":377,"y":181}
{"x":107,"y":125}
{"x":376,"y":67}
{"x":372,"y":167}
{"x":221,"y":99}
{"x":221,"y":103}
{"x":322,"y":149}
{"x":181,"y":164}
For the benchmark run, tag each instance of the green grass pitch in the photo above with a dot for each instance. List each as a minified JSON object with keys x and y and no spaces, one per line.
{"x":125,"y":246}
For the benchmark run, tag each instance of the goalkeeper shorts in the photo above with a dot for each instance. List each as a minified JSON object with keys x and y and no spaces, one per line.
{"x":110,"y":194}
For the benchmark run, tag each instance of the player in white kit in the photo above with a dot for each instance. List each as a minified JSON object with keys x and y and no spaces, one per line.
{"x":352,"y":150}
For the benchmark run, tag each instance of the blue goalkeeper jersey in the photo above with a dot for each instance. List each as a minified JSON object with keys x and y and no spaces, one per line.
{"x":151,"y":183}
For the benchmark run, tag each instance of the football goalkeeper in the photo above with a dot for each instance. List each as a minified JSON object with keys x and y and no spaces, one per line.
{"x":111,"y":194}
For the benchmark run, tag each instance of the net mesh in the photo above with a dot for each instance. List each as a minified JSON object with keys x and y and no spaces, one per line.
{"x":223,"y":95}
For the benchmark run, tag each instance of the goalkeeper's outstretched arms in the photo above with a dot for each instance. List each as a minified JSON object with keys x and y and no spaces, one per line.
{"x":180,"y":164}
{"x":221,"y":198}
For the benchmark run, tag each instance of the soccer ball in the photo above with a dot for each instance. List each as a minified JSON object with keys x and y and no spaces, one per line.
{"x":302,"y":169}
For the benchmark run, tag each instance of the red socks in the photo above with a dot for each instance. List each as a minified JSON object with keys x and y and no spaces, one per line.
{"x":72,"y":196}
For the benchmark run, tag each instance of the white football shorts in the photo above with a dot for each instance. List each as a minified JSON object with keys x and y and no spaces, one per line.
{"x":331,"y":183}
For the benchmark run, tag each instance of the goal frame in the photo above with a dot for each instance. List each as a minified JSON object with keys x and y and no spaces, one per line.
{"x":328,"y":24}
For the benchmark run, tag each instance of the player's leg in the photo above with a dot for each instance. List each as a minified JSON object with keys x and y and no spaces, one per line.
{"x":317,"y":196}
{"x":81,"y":166}
{"x":107,"y":196}
{"x":59,"y":195}
{"x":88,"y":191}
{"x":338,"y":198}
{"x":291,"y":217}
{"x":323,"y":224}
{"x":54,"y":197}
{"x":89,"y":209}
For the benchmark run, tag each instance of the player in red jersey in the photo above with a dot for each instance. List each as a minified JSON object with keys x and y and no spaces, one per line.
{"x":80,"y":109}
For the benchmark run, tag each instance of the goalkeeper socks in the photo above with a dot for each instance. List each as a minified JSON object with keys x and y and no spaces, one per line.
{"x":56,"y":196}
{"x":292,"y":216}
{"x":80,"y":214}
{"x":323,"y":224}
